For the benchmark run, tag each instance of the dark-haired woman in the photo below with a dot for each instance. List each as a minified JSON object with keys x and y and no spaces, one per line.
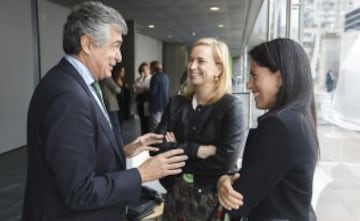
{"x":276,"y":178}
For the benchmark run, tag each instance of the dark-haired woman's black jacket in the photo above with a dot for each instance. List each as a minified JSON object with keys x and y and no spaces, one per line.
{"x":220,"y":124}
{"x":277,"y":169}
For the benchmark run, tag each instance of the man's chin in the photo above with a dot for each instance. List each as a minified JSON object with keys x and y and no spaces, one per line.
{"x":107,"y":75}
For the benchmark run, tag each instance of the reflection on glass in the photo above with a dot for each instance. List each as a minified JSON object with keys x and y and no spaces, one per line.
{"x":259,"y":33}
{"x":295,"y":20}
{"x":331,"y":38}
{"x":277,"y":18}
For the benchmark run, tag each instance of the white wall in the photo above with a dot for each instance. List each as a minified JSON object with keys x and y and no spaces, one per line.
{"x":52,"y":18}
{"x":19,"y":61}
{"x":147,"y":49}
{"x":17,"y":71}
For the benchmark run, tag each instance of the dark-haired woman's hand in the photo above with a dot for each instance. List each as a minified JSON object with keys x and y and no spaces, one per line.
{"x":228,"y":197}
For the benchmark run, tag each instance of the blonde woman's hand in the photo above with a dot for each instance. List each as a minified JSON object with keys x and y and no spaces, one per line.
{"x":206,"y":151}
{"x":170,"y":137}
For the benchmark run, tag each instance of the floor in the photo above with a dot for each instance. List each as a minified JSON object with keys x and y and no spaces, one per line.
{"x":336,"y":186}
{"x":337,"y":177}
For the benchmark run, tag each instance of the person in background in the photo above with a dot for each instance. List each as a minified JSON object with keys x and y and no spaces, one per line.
{"x":124,"y":97}
{"x":330,"y":81}
{"x":76,"y":165}
{"x":142,"y":86}
{"x":110,"y":92}
{"x":276,"y":177}
{"x":207,"y":122}
{"x":183,"y":82}
{"x":159,"y":93}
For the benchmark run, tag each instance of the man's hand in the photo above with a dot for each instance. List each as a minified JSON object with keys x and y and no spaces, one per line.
{"x":142,"y":143}
{"x":228,"y":197}
{"x":161,"y":165}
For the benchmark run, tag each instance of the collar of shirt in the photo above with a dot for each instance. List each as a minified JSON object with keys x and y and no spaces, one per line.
{"x":88,"y":78}
{"x":194,"y":103}
{"x":147,"y":81}
{"x":81,"y":69}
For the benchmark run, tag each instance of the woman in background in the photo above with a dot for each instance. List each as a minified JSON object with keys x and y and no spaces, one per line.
{"x":125,"y":96}
{"x":142,"y":86}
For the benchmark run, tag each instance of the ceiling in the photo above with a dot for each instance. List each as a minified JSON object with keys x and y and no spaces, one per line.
{"x":184,"y":21}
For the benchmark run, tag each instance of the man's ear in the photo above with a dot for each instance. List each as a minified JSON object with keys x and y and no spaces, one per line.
{"x":85,"y":44}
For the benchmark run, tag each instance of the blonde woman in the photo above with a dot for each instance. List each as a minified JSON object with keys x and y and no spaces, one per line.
{"x":207,"y":123}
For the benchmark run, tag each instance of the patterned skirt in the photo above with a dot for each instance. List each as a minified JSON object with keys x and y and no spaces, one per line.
{"x":189,"y":203}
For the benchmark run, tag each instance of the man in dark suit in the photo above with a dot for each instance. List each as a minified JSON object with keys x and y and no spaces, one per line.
{"x":159,"y":94}
{"x":76,"y":164}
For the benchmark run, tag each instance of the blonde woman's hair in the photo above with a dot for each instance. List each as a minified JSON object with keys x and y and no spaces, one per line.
{"x":220,"y":53}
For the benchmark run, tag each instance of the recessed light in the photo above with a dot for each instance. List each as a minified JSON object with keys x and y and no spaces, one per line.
{"x":220,"y":25}
{"x":169,"y":36}
{"x":151,"y":26}
{"x":193,"y":34}
{"x":214,"y":8}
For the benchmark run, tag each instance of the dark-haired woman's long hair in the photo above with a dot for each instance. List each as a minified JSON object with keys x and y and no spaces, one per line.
{"x":296,"y":92}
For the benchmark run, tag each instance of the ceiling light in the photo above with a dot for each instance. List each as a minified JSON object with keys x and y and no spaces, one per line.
{"x":193,"y":34}
{"x":169,"y":36}
{"x":214,"y":8}
{"x":220,"y":25}
{"x":151,"y":26}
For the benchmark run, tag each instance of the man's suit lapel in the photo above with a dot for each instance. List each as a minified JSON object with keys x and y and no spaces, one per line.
{"x":107,"y":130}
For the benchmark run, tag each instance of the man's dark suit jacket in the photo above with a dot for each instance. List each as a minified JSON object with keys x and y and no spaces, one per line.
{"x":76,"y":167}
{"x":159,"y":92}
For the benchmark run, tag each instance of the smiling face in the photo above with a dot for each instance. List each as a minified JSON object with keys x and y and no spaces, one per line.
{"x":265,"y":85}
{"x":201,"y":67}
{"x":101,"y":59}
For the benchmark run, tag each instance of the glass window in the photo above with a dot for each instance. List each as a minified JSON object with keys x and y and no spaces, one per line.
{"x":277,"y":18}
{"x":295,"y":19}
{"x":331,"y":36}
{"x":259,"y":33}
